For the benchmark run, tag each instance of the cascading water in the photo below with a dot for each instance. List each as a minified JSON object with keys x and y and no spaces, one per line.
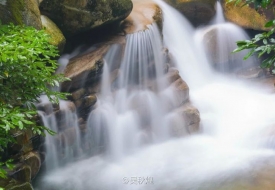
{"x":63,"y":120}
{"x":231,"y":153}
{"x":135,"y":112}
{"x":219,"y":41}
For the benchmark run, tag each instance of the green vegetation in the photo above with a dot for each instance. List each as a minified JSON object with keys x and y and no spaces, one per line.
{"x":257,"y":3}
{"x":262,"y":44}
{"x":27,"y":66}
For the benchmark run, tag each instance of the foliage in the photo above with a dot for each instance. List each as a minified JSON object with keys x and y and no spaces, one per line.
{"x":27,"y":66}
{"x":263,"y":43}
{"x":257,"y":3}
{"x":3,"y":172}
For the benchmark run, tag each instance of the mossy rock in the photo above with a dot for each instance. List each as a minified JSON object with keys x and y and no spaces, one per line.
{"x":74,"y":16}
{"x":20,"y":12}
{"x":32,"y":159}
{"x":23,"y":186}
{"x":22,"y":173}
{"x":246,"y":16}
{"x":57,"y":38}
{"x":198,"y":12}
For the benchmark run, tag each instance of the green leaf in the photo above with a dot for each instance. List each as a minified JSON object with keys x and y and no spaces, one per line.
{"x":27,"y":66}
{"x":269,"y":24}
{"x":20,"y":124}
{"x":249,"y":54}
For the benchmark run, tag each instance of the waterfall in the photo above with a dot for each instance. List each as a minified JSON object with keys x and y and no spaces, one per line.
{"x":219,"y":17}
{"x":135,"y":112}
{"x":132,"y":120}
{"x":219,"y":40}
{"x":62,"y":119}
{"x":183,"y":48}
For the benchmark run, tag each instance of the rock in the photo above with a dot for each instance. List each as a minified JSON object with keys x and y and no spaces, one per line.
{"x":172,"y":75}
{"x":22,"y":173}
{"x":67,"y":106}
{"x":80,"y":121}
{"x":85,"y":105}
{"x":176,"y":91}
{"x":86,"y":102}
{"x":67,"y":137}
{"x":245,"y":16}
{"x":84,"y":69}
{"x":251,"y":73}
{"x":5,"y":182}
{"x":65,"y":115}
{"x":144,"y":13}
{"x":20,"y":12}
{"x":57,"y":38}
{"x":48,"y":107}
{"x":32,"y":159}
{"x":78,"y":94}
{"x":185,"y":120}
{"x":219,"y":41}
{"x":23,"y":186}
{"x":181,"y":92}
{"x":89,"y":101}
{"x":20,"y":137}
{"x":73,"y":17}
{"x":83,"y":128}
{"x":198,"y":12}
{"x":23,"y":142}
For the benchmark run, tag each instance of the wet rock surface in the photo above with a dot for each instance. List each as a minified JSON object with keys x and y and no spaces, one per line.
{"x":85,"y":69}
{"x":246,"y":16}
{"x":74,"y":17}
{"x":21,"y":12}
{"x":144,"y":13}
{"x":56,"y":36}
{"x":198,"y":12}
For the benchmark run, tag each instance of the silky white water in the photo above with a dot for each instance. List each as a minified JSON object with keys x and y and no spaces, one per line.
{"x":219,"y":40}
{"x":132,"y":111}
{"x":236,"y":118}
{"x":57,"y":148}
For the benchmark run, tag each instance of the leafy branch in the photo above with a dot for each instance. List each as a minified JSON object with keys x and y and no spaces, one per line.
{"x":27,"y":67}
{"x":262,"y":44}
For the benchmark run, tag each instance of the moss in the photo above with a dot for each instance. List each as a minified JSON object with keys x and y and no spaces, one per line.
{"x":74,"y":16}
{"x":21,"y":12}
{"x":17,"y":7}
{"x":198,"y":12}
{"x":57,"y":38}
{"x":119,"y":7}
{"x":24,"y":186}
{"x":245,"y":16}
{"x":158,"y":18}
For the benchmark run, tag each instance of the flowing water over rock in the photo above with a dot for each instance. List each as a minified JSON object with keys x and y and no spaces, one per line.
{"x":133,"y":111}
{"x":64,"y":146}
{"x":235,"y":150}
{"x":219,"y":41}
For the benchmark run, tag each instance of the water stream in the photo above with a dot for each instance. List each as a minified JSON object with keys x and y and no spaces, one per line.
{"x":132,"y":121}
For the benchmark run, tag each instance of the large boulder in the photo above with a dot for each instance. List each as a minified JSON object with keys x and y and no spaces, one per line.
{"x":246,"y":16}
{"x":20,"y":12}
{"x":56,"y":36}
{"x":86,"y":69}
{"x":184,"y":120}
{"x":219,"y":41}
{"x":74,"y":16}
{"x":144,"y":13}
{"x":198,"y":12}
{"x":20,"y":186}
